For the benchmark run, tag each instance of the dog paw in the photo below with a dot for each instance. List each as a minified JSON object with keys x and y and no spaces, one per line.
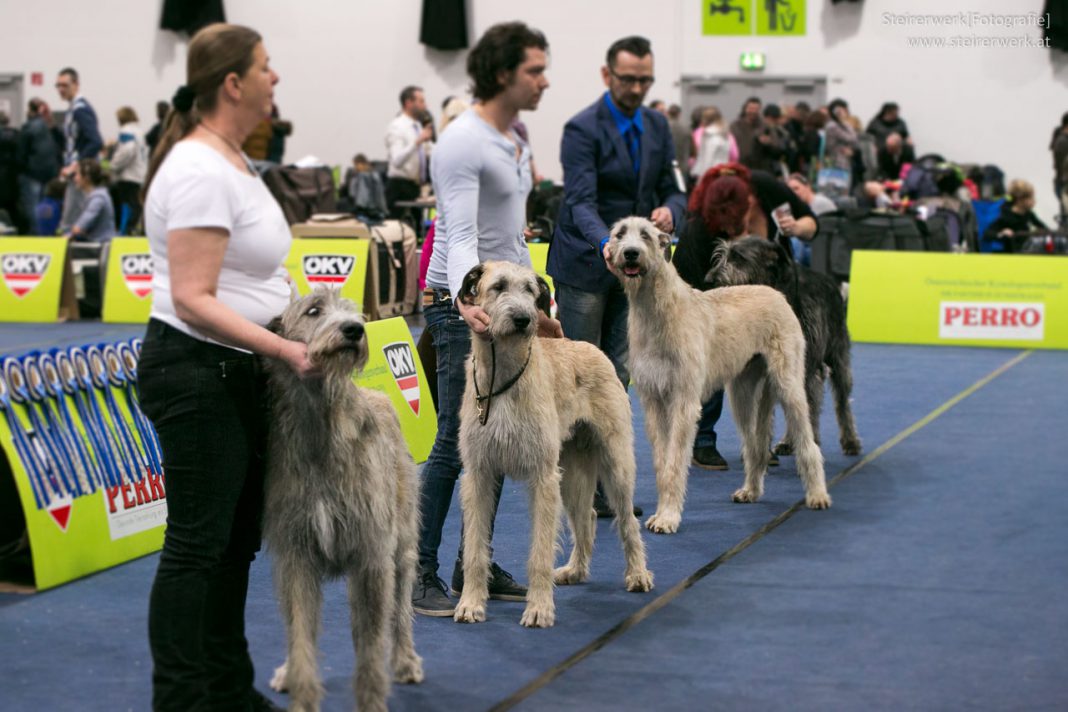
{"x":278,"y":680}
{"x":639,"y":581}
{"x":783,"y":448}
{"x":851,"y":447}
{"x":666,"y":523}
{"x":745,"y":496}
{"x":468,"y":612}
{"x":408,"y":670}
{"x":820,"y":500}
{"x":538,"y":617}
{"x":567,"y":575}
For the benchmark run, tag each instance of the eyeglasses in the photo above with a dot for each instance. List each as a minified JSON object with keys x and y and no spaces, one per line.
{"x":630,"y":80}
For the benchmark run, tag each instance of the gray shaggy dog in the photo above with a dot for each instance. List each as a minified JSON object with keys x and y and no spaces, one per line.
{"x":341,"y":500}
{"x":816,"y":301}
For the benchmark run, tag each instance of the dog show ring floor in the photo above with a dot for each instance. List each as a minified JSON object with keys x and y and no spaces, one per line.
{"x":936,"y":581}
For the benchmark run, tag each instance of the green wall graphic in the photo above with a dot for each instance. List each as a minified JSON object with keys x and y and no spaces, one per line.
{"x":773,"y":18}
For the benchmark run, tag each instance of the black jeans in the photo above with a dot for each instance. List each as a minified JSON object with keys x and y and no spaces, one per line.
{"x":206,"y":403}
{"x":401,"y":189}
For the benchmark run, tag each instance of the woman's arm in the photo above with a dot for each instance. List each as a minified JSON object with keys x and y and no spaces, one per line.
{"x":195,"y":257}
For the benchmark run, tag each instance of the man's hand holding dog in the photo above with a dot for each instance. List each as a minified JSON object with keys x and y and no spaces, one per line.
{"x":549,"y":327}
{"x":477,"y":319}
{"x":661,"y":217}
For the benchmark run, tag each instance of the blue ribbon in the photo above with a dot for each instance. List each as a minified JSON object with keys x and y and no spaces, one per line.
{"x":89,"y":409}
{"x":131,"y":457}
{"x":16,"y":383}
{"x":53,"y":386}
{"x":67,"y":463}
{"x":22,"y":447}
{"x":127,"y":378}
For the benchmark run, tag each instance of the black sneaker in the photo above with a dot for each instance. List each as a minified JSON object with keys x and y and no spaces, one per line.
{"x":600,"y":505}
{"x":502,"y":587}
{"x":774,"y":460}
{"x":709,"y":458}
{"x":429,"y":597}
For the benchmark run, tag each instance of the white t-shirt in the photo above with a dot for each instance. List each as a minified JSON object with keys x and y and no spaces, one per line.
{"x":197,"y":187}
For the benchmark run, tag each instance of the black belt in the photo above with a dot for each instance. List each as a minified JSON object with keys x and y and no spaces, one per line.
{"x":432,"y":295}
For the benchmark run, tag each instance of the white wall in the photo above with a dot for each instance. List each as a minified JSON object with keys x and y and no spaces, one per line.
{"x":343,"y":62}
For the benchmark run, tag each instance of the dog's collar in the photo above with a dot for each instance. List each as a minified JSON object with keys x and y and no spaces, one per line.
{"x":483,"y":410}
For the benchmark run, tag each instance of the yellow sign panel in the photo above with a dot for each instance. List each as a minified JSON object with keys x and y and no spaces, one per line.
{"x":128,"y":282}
{"x":393,"y":368}
{"x":32,"y":270}
{"x":337,"y":263}
{"x":1012,"y":301}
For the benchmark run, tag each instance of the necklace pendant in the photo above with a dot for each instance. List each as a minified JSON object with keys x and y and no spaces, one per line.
{"x":482,"y":415}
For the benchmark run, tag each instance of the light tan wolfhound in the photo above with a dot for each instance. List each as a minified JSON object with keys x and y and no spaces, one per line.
{"x":341,"y":500}
{"x":550,"y":412}
{"x":685,"y":344}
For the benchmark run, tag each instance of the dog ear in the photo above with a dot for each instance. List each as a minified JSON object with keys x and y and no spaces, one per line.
{"x":469,"y":287}
{"x":544,"y":300}
{"x":275,"y":325}
{"x":665,"y":240}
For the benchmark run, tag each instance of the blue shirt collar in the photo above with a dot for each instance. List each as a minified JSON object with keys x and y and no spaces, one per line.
{"x":623,"y":122}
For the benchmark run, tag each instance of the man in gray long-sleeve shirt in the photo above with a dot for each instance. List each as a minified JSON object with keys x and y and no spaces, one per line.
{"x":481,"y":175}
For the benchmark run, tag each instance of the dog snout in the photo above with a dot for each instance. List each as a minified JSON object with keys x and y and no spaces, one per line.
{"x":352,"y":330}
{"x":631,"y":254}
{"x":521,"y":322}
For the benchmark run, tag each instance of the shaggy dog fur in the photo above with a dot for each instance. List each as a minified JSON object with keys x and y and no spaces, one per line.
{"x":685,"y":344}
{"x":818,"y":305}
{"x":564,"y":423}
{"x":341,"y":500}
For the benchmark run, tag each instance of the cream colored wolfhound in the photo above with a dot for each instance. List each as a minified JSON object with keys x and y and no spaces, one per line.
{"x":552,"y":413}
{"x":341,"y":501}
{"x":685,"y":344}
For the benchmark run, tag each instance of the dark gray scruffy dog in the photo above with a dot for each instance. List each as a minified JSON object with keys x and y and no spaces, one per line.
{"x":341,"y":500}
{"x":818,"y":305}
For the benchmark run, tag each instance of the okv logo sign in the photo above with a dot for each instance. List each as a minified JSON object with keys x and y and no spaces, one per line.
{"x":754,"y":17}
{"x":402,"y":366}
{"x":137,"y":273}
{"x":327,"y":270}
{"x":23,"y":271}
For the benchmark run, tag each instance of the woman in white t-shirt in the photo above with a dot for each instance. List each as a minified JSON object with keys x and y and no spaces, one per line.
{"x":218,"y":240}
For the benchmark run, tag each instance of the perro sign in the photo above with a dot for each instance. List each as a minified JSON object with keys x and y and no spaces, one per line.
{"x":1012,"y":321}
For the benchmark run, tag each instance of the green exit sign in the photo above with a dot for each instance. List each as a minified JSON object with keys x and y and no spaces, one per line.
{"x":753,"y":61}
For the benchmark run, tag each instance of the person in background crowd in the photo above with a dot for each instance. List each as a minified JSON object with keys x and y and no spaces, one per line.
{"x":745,"y":130}
{"x":680,"y":137}
{"x":840,"y":138}
{"x":218,"y":241}
{"x":812,"y":141}
{"x":129,"y":163}
{"x":731,"y":202}
{"x":451,"y":108}
{"x":892,"y":156}
{"x":280,"y":130}
{"x":9,"y":174}
{"x":152,"y":137}
{"x":794,"y":125}
{"x":618,"y":158}
{"x":1058,"y":146}
{"x":38,"y":161}
{"x":1017,"y":215}
{"x":50,"y":207}
{"x":659,"y":106}
{"x":82,"y":140}
{"x":818,"y":203}
{"x":409,"y":143}
{"x":773,"y":142}
{"x":717,"y":143}
{"x":96,"y":221}
{"x":362,"y":188}
{"x":482,"y":177}
{"x":886,"y":122}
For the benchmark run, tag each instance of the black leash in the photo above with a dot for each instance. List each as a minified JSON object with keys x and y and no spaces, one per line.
{"x":483,"y":411}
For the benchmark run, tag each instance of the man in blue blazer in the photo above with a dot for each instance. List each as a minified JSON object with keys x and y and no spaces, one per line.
{"x":618,"y":158}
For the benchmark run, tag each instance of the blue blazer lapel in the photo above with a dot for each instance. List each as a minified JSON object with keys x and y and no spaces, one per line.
{"x":646,"y":150}
{"x":611,"y":132}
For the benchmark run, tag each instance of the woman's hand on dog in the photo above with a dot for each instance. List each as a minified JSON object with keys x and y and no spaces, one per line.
{"x":295,"y":355}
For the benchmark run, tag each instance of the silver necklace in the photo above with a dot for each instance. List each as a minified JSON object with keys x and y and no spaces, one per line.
{"x":237,"y":149}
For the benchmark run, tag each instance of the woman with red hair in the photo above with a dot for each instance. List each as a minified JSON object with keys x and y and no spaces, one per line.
{"x":731,"y":202}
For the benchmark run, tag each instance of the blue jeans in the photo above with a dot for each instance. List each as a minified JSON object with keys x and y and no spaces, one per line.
{"x":207,"y":405}
{"x":706,"y":426}
{"x":452,"y":340}
{"x":802,"y":250}
{"x":598,"y":318}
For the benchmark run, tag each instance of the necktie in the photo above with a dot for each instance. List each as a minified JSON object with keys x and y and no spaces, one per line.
{"x":422,"y":157}
{"x":631,"y":138}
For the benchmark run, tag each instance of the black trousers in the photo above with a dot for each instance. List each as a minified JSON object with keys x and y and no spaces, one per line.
{"x":207,"y":405}
{"x":400,"y":189}
{"x":127,"y":194}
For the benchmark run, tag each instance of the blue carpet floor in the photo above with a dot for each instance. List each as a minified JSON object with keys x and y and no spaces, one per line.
{"x":935,"y":582}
